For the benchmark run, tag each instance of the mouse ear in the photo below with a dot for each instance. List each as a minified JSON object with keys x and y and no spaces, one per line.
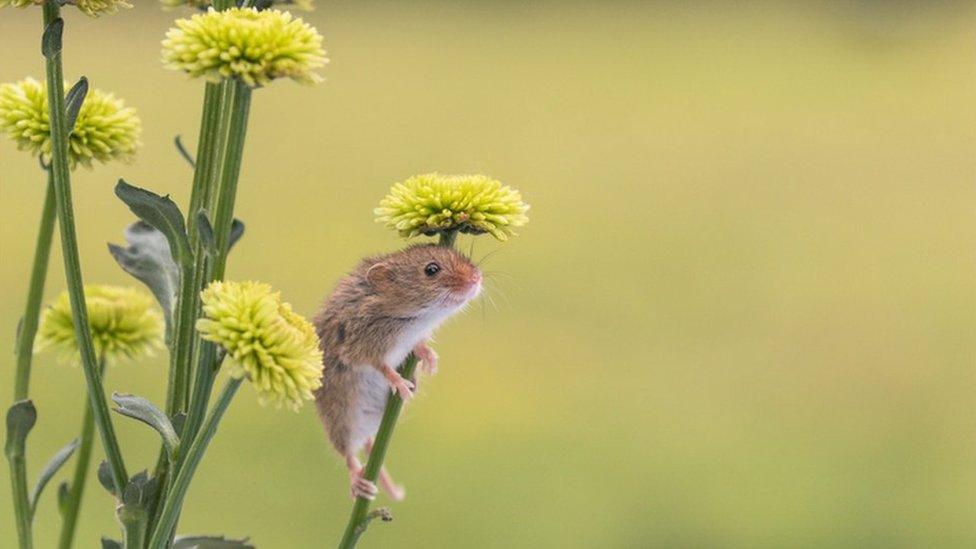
{"x":380,"y":276}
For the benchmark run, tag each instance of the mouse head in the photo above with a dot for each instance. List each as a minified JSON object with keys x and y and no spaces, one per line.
{"x":425,"y":279}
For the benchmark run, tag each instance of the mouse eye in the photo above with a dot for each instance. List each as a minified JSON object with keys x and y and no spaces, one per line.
{"x":432,"y":269}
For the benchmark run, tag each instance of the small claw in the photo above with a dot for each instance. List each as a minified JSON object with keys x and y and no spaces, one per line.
{"x":404,"y":388}
{"x":362,"y":488}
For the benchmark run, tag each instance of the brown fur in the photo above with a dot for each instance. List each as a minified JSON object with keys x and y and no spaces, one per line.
{"x":365,"y":318}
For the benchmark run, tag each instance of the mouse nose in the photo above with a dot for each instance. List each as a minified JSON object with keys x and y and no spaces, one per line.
{"x":474,"y":277}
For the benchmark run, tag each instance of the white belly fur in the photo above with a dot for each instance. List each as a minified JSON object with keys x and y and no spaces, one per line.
{"x":374,"y":390}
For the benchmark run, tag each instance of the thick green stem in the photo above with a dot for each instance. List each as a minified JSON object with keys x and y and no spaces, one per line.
{"x":230,"y":172}
{"x":35,"y":293}
{"x":174,"y":497}
{"x":18,"y":482}
{"x":77,"y":487}
{"x":360,"y":517}
{"x":72,"y":262}
{"x":233,"y":127}
{"x":178,"y":390}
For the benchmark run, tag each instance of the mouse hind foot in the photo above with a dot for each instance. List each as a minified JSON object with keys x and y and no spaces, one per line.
{"x":359,"y":486}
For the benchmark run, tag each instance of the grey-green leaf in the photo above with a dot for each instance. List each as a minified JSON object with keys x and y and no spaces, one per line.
{"x":21,"y":418}
{"x":52,"y":467}
{"x":139,"y":491}
{"x":74,"y":100}
{"x":210,"y":542}
{"x":147,"y":257}
{"x":108,"y":543}
{"x":139,"y":408}
{"x":160,"y":212}
{"x":236,"y":232}
{"x":104,"y":474}
{"x":51,"y":40}
{"x":205,"y":229}
{"x":178,"y":142}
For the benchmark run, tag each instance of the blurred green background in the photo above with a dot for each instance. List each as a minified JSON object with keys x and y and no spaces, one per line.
{"x":742,"y":314}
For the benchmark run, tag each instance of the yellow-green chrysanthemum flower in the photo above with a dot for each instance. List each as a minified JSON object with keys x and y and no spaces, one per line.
{"x":255,"y":46}
{"x":432,"y":203}
{"x":105,"y":129}
{"x":271,"y":345}
{"x":306,"y":5}
{"x":125,"y":323}
{"x":93,"y":8}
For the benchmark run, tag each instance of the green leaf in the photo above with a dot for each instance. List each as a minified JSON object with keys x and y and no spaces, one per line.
{"x":104,"y":474}
{"x":207,"y":238}
{"x":205,"y":228}
{"x":147,"y":257}
{"x":236,"y":232}
{"x":161,"y":213}
{"x":139,"y":408}
{"x":210,"y":542}
{"x":76,"y":97}
{"x":139,"y":491}
{"x":178,"y":142}
{"x":63,"y":491}
{"x":21,"y":418}
{"x":51,"y":41}
{"x":108,"y":543}
{"x":52,"y":467}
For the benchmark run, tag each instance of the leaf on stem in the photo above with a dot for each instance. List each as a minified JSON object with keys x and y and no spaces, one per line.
{"x":63,"y":492}
{"x":178,"y":142}
{"x":161,"y":213}
{"x":74,"y":100}
{"x":140,"y":490}
{"x":210,"y":542}
{"x":205,"y":229}
{"x":21,"y":418}
{"x":141,"y":409}
{"x":104,"y":474}
{"x":51,"y":41}
{"x":147,"y":257}
{"x":47,"y":473}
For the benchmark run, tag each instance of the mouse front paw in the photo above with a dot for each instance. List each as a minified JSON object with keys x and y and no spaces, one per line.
{"x":428,"y":358}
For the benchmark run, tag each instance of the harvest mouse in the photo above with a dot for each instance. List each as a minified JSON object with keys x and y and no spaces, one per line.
{"x":386,"y":308}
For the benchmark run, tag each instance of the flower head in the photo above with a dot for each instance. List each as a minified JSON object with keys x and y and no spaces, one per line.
{"x":93,"y":8}
{"x":305,"y":5}
{"x":432,"y":203}
{"x":124,"y":323}
{"x":255,"y":46}
{"x":269,"y":344}
{"x":105,"y":128}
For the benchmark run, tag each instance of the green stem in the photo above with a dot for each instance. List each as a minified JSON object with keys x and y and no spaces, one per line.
{"x":360,"y":517}
{"x":230,"y":172}
{"x":18,"y":483}
{"x":35,"y":292}
{"x":184,"y":344}
{"x":72,"y":262}
{"x":25,"y":351}
{"x":133,"y":519}
{"x":77,"y":487}
{"x":236,"y":103}
{"x":174,"y":497}
{"x":178,"y":389}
